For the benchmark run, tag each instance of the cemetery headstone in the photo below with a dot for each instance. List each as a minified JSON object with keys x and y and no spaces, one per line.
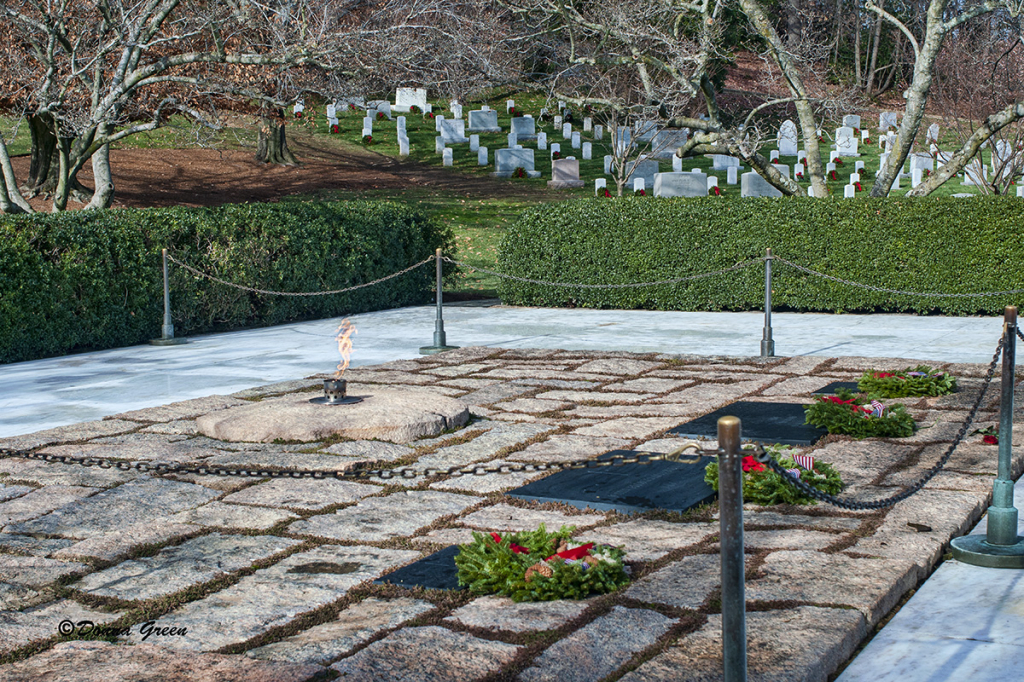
{"x":730,"y":175}
{"x":565,"y":174}
{"x":645,"y":130}
{"x":428,"y":108}
{"x":832,"y":156}
{"x":798,"y":170}
{"x":576,"y":140}
{"x":507,"y":160}
{"x":332,"y":110}
{"x":456,"y":110}
{"x":513,"y":140}
{"x":510,"y":104}
{"x":639,"y":185}
{"x":481,"y":156}
{"x":915,"y":176}
{"x":849,"y":191}
{"x":298,"y":108}
{"x":380,"y":106}
{"x":454,"y":131}
{"x":854,"y":177}
{"x":801,"y":155}
{"x":975,"y":173}
{"x":403,"y":145}
{"x":588,"y":151}
{"x":400,"y":123}
{"x":677,"y":164}
{"x":643,"y":169}
{"x":753,"y":185}
{"x":773,"y":155}
{"x":1020,"y":191}
{"x":933,"y":133}
{"x":368,"y":123}
{"x":680,"y":184}
{"x":846,"y":141}
{"x":922,"y":161}
{"x":858,"y":167}
{"x":555,"y":147}
{"x":542,"y":141}
{"x":888,"y":119}
{"x":524,"y":127}
{"x":598,"y":132}
{"x":446,"y":157}
{"x":438,"y":122}
{"x":483,"y":122}
{"x":566,"y":131}
{"x":851,"y":121}
{"x":405,"y":98}
{"x":667,"y":141}
{"x":722,"y":162}
{"x":599,"y":185}
{"x":623,"y":140}
{"x":588,"y":124}
{"x":712,"y":181}
{"x":608,"y":159}
{"x":788,"y":140}
{"x":474,"y":142}
{"x":438,"y":145}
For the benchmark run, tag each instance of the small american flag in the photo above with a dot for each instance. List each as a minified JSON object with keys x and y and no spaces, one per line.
{"x":795,"y":473}
{"x":805,"y":461}
{"x":877,"y":408}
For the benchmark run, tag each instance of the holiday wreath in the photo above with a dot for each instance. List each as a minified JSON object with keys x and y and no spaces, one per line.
{"x":910,"y":382}
{"x":853,"y":415}
{"x":539,"y":566}
{"x":761,"y":485}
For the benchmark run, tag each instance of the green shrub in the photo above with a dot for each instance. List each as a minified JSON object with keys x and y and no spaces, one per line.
{"x":92,"y":279}
{"x":946,"y":245}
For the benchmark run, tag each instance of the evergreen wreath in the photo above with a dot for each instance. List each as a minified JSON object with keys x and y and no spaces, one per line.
{"x":763,"y":486}
{"x":367,"y":139}
{"x":852,"y":415}
{"x":415,"y":109}
{"x":519,"y":172}
{"x":910,"y":382}
{"x":539,"y":566}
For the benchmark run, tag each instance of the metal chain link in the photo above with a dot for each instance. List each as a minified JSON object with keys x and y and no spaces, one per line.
{"x":854,"y":505}
{"x":360,"y":474}
{"x":293,"y":293}
{"x":893,"y":291}
{"x":676,"y":280}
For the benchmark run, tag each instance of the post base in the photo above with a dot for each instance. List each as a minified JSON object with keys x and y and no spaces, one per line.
{"x":430,"y":350}
{"x":975,"y":550}
{"x":168,"y":342}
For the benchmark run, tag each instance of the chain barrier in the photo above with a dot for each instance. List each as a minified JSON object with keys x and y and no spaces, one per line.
{"x":362,"y":474}
{"x":892,"y":291}
{"x":765,"y":458}
{"x":293,"y":293}
{"x":676,"y":280}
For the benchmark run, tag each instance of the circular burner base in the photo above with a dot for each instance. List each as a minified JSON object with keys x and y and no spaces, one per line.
{"x":323,"y":400}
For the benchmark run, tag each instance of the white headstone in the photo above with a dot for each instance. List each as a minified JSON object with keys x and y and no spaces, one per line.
{"x":483,"y":121}
{"x":410,"y":97}
{"x":524,"y":127}
{"x":833,"y":155}
{"x":542,"y":140}
{"x":865,"y":135}
{"x":722,"y":162}
{"x":858,"y":167}
{"x":400,"y":123}
{"x":849,"y":192}
{"x":677,"y":164}
{"x":566,"y":131}
{"x":565,"y":173}
{"x":481,"y":156}
{"x":474,"y":142}
{"x":753,"y":185}
{"x":787,"y":138}
{"x":888,"y":119}
{"x":829,"y":167}
{"x":773,"y":155}
{"x":332,"y":110}
{"x":557,"y":122}
{"x":588,"y":151}
{"x":696,"y":170}
{"x":428,"y":108}
{"x":439,"y":145}
{"x":712,"y":182}
{"x":681,"y":185}
{"x":854,"y":178}
{"x":1020,"y":191}
{"x":367,"y":131}
{"x":801,"y":155}
{"x":561,"y":105}
{"x":598,"y":132}
{"x":915,"y":176}
{"x":484,"y":107}
{"x":368,"y":123}
{"x":332,"y":121}
{"x":576,"y":140}
{"x":510,"y":104}
{"x":454,"y":131}
{"x":446,"y":157}
{"x":846,"y":141}
{"x":933,"y":133}
{"x":798,"y":170}
{"x":507,"y":160}
{"x":608,"y":159}
{"x":403,"y":145}
{"x":851,"y":121}
{"x":298,"y":108}
{"x":456,"y":110}
{"x":639,"y":184}
{"x":643,"y":169}
{"x":588,"y":124}
{"x":599,"y":185}
{"x":513,"y":140}
{"x":555,"y":147}
{"x":730,"y":174}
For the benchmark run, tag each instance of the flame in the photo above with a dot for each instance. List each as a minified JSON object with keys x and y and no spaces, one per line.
{"x":345,"y":331}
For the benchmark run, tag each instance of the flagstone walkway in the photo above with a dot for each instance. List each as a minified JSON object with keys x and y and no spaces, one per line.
{"x":235,"y":578}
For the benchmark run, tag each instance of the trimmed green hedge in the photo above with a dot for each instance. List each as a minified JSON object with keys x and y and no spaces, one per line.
{"x":949,"y":245}
{"x":92,"y":279}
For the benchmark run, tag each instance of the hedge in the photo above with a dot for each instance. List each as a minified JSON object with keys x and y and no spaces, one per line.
{"x":947,"y":245}
{"x":89,"y":280}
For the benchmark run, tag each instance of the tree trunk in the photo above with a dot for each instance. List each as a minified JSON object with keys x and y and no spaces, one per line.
{"x":42,"y":170}
{"x":103,"y":194}
{"x":272,"y":145}
{"x":876,"y":40}
{"x":794,"y":27}
{"x":856,"y":43}
{"x":12,"y":200}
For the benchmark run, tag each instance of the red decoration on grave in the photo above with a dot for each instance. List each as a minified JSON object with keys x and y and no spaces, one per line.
{"x":368,"y":139}
{"x":717,"y":191}
{"x":556,"y":155}
{"x":859,"y":188}
{"x":607,"y":194}
{"x":335,"y":129}
{"x":380,"y":115}
{"x":298,"y":114}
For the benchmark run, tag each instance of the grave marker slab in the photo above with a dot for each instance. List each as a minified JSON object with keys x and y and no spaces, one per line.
{"x":483,"y":122}
{"x":888,"y":119}
{"x":598,"y":132}
{"x":380,"y":106}
{"x":405,"y":98}
{"x":588,"y":124}
{"x":454,"y":131}
{"x":680,"y":185}
{"x":788,"y":140}
{"x":524,"y":127}
{"x":846,"y":141}
{"x":851,"y":121}
{"x":599,"y":185}
{"x":643,"y":169}
{"x":753,"y":185}
{"x":446,"y":157}
{"x":730,"y":175}
{"x":666,"y":142}
{"x":608,"y":159}
{"x":672,"y":486}
{"x":766,"y":422}
{"x":542,"y":141}
{"x":507,"y":160}
{"x":435,"y":572}
{"x":565,"y":174}
{"x":645,"y":130}
{"x":474,"y":142}
{"x":677,"y":164}
{"x":577,"y":141}
{"x":588,"y":151}
{"x":481,"y":156}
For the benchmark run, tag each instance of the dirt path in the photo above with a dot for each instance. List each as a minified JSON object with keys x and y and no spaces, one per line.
{"x":209,"y":177}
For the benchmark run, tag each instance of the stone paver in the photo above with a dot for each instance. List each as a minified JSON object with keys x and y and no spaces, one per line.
{"x":122,"y":540}
{"x":9,"y":492}
{"x":106,"y":511}
{"x":34,"y":545}
{"x":485,"y":446}
{"x":35,"y":571}
{"x":356,"y":624}
{"x":806,"y":643}
{"x":52,"y":473}
{"x":501,"y":613}
{"x":18,"y":628}
{"x":371,"y":450}
{"x":630,"y":427}
{"x":426,"y":654}
{"x":651,"y":540}
{"x":276,"y":595}
{"x":70,"y":434}
{"x":41,"y":501}
{"x":176,"y":568}
{"x":507,"y":517}
{"x":599,"y":648}
{"x":302,"y":493}
{"x":185,"y":409}
{"x":685,"y":583}
{"x":559,"y":448}
{"x":221,"y":515}
{"x":380,"y":518}
{"x":618,"y":366}
{"x":75,"y":661}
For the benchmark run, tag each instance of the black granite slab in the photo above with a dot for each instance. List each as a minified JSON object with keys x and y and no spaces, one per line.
{"x":766,"y":422}
{"x":673,"y":486}
{"x":436,"y":572}
{"x":836,"y":385}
